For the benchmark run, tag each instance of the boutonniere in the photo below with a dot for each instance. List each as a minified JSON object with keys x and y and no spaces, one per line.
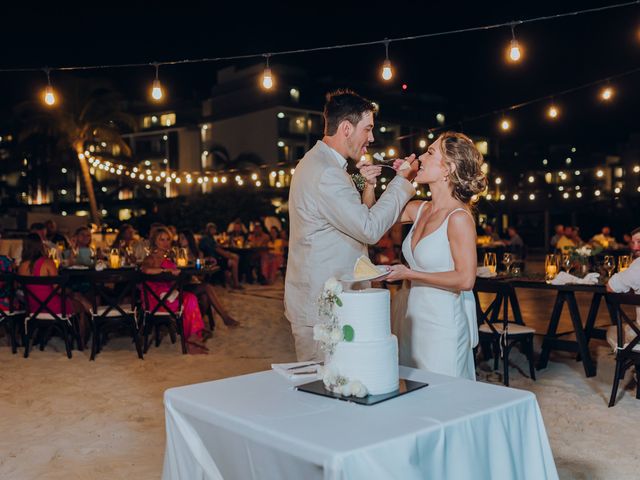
{"x":359,"y":181}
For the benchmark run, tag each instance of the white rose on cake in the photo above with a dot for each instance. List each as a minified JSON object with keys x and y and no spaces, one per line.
{"x":333,"y":286}
{"x":336,"y":335}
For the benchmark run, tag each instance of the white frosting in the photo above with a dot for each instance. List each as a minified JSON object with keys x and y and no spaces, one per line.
{"x":372,"y":356}
{"x":367,"y":311}
{"x":375,"y":364}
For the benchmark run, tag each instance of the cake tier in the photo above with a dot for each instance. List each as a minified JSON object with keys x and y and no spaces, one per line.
{"x":375,"y":364}
{"x":367,"y":311}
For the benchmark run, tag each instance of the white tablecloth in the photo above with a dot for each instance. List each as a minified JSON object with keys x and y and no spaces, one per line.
{"x":258,"y":427}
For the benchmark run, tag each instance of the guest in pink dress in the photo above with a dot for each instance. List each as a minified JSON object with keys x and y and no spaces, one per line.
{"x":36,"y":263}
{"x":158,"y":262}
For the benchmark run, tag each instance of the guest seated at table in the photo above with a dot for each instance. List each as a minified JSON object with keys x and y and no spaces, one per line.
{"x":576,"y":236}
{"x":515,"y":244}
{"x":36,"y":263}
{"x":553,"y":243}
{"x":271,"y":261}
{"x":626,"y":241}
{"x":40,"y":229}
{"x":236,"y":227}
{"x":488,"y":230}
{"x":226,"y":260}
{"x":7,"y":265}
{"x":259,"y":260}
{"x":125,"y":242}
{"x":566,"y":242}
{"x":627,"y":281}
{"x":54,"y":236}
{"x":204,"y":291}
{"x":158,"y":262}
{"x":80,"y":252}
{"x":604,"y":239}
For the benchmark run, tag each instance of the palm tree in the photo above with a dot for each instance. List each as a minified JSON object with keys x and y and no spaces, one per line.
{"x":91,"y":115}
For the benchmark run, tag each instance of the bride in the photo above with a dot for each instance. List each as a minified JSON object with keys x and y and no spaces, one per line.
{"x":437,"y":331}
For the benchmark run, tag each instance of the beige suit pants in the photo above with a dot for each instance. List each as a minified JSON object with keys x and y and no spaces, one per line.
{"x":307,"y":349}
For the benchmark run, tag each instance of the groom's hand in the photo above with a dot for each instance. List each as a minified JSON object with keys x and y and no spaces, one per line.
{"x":369,"y":172}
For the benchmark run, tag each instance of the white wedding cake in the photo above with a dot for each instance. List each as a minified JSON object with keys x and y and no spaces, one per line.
{"x":369,"y":352}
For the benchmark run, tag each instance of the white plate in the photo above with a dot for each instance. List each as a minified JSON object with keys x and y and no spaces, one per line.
{"x":348,"y":277}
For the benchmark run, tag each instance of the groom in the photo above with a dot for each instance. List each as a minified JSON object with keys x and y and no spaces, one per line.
{"x":330,"y":224}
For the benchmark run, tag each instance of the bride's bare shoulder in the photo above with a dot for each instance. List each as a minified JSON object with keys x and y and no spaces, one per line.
{"x":411,"y":210}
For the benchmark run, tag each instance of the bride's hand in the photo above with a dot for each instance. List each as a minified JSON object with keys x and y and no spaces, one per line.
{"x":369,"y":172}
{"x":397,"y":272}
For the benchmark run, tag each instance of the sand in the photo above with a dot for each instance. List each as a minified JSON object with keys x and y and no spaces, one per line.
{"x":76,"y":419}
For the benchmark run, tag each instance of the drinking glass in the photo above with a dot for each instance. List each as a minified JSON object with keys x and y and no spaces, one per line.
{"x":182,"y":257}
{"x":623,"y":262}
{"x":566,"y":262}
{"x":609,"y":264}
{"x":507,"y":259}
{"x":490,"y":261}
{"x":550,"y":267}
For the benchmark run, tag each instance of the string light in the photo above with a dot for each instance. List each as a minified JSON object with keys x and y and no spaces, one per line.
{"x":606,"y":93}
{"x":514,"y":48}
{"x":505,"y":124}
{"x":387,"y":70}
{"x":267,"y":78}
{"x":49,"y":96}
{"x":553,"y":112}
{"x":156,"y":88}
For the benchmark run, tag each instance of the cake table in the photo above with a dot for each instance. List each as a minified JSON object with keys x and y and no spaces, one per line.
{"x":259,"y":426}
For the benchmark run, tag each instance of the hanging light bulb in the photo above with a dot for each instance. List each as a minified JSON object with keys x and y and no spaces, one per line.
{"x":267,"y":78}
{"x":606,"y":93}
{"x":515,"y":53}
{"x":156,"y":88}
{"x":387,"y":70}
{"x":49,"y":96}
{"x":553,"y":112}
{"x":505,"y":124}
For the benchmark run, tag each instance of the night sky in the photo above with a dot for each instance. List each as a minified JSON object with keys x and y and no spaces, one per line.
{"x":467,"y":69}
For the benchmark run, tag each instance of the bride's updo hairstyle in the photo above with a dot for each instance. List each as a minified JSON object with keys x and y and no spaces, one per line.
{"x":464,"y":162}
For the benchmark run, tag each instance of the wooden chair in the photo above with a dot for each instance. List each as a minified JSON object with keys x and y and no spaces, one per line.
{"x":114,"y":303}
{"x":162,"y":314}
{"x":42,"y":318}
{"x":628,"y":349}
{"x":10,"y":317}
{"x":501,"y":333}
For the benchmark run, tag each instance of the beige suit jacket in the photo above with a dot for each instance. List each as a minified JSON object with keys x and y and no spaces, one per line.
{"x":330,"y":227}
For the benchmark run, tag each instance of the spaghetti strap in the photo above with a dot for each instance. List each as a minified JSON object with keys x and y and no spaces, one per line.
{"x":456,"y":210}
{"x":419,"y":212}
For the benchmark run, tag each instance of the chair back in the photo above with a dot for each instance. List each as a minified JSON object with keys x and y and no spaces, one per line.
{"x":621,"y":319}
{"x":7,"y":294}
{"x":42,"y":295}
{"x":115,"y":290}
{"x":157,"y":291}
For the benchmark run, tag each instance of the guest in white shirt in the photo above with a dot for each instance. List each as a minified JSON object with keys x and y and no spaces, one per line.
{"x":628,"y":280}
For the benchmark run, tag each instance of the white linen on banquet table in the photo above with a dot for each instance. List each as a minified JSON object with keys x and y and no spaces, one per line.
{"x":257,"y":426}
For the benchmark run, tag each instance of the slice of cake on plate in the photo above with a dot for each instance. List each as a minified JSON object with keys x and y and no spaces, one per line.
{"x":365,"y":269}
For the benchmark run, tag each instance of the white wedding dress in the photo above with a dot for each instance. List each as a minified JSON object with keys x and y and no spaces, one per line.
{"x":436,"y":328}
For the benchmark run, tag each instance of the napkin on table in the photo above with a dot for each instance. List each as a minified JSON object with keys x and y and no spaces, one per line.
{"x":290,"y":372}
{"x":565,"y":278}
{"x":485,"y":272}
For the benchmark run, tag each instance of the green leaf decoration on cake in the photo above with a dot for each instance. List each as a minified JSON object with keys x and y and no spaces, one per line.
{"x":348,"y":333}
{"x":338,"y":301}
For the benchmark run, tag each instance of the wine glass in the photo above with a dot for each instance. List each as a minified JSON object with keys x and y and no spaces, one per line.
{"x":507,"y":259}
{"x":490,"y":261}
{"x":566,"y":262}
{"x":609,"y":264}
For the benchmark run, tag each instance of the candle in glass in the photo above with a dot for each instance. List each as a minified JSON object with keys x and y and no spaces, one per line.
{"x":114,"y":258}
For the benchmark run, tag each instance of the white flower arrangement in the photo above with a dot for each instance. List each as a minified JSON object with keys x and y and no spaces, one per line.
{"x":341,"y":385}
{"x":584,"y":251}
{"x":330,"y":333}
